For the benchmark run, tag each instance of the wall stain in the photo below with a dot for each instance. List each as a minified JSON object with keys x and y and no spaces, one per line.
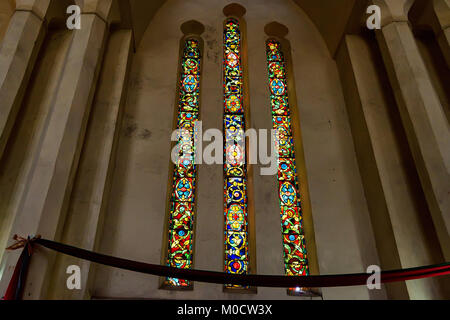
{"x":130,"y":129}
{"x":212,"y":48}
{"x":129,"y":125}
{"x":145,"y":134}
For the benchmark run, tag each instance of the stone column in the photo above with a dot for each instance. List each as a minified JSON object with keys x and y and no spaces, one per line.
{"x":18,"y":53}
{"x":423,"y":117}
{"x":42,"y":208}
{"x":400,"y":218}
{"x":442,"y":11}
{"x":434,"y":15}
{"x":6,"y":11}
{"x":89,"y":198}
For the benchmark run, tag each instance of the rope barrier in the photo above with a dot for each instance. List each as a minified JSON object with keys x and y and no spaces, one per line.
{"x":312,"y":281}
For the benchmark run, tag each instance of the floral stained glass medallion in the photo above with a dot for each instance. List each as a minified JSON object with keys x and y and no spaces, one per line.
{"x":182,"y":203}
{"x":295,"y":256}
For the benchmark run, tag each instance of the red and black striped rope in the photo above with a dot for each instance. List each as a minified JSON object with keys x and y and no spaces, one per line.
{"x":312,"y":281}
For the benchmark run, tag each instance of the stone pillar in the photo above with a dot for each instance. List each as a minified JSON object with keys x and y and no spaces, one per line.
{"x":6,"y":11}
{"x":403,"y":228}
{"x":442,"y":11}
{"x":43,"y":206}
{"x":91,"y":190}
{"x":23,"y":145}
{"x":423,"y":117}
{"x":18,"y":53}
{"x":434,"y":15}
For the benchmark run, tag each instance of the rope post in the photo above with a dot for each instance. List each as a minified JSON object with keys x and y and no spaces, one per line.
{"x":17,"y":283}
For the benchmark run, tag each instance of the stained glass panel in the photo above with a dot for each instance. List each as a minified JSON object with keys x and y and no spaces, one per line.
{"x":295,"y":257}
{"x":235,"y":167}
{"x":182,"y":205}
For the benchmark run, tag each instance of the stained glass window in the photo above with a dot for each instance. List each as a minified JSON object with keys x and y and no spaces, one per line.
{"x":295,"y":258}
{"x":235,"y":168}
{"x":182,"y":204}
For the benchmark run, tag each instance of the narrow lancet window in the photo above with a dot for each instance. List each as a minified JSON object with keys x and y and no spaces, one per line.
{"x":295,"y":258}
{"x":235,"y":167}
{"x":182,"y":200}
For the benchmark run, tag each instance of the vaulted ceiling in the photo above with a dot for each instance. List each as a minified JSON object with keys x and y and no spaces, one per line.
{"x":331,"y":17}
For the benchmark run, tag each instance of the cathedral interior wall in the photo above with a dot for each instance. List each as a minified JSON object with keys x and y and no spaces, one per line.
{"x":135,"y":217}
{"x":368,"y":200}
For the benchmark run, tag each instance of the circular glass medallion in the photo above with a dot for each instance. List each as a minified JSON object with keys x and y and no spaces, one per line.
{"x":235,"y":217}
{"x":183,"y":189}
{"x":190,"y":83}
{"x":277,"y":87}
{"x":288,"y":194}
{"x":232,"y":60}
{"x":233,"y":103}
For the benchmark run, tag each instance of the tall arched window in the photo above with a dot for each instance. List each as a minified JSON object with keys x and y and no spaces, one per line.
{"x":295,"y":257}
{"x":183,"y":187}
{"x":235,"y":167}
